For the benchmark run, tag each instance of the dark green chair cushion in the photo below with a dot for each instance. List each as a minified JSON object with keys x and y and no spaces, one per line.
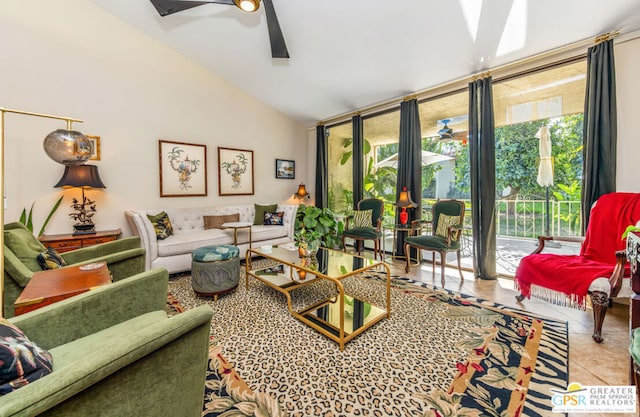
{"x":261,"y":210}
{"x":362,"y":232}
{"x":25,"y":246}
{"x":432,"y":242}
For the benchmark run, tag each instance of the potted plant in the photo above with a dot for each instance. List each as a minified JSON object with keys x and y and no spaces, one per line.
{"x":27,"y":219}
{"x":317,"y":227}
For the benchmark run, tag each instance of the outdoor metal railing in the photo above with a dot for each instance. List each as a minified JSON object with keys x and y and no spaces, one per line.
{"x":521,"y":218}
{"x":527,"y":218}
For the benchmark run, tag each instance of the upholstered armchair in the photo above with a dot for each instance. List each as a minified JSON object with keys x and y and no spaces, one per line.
{"x":124,"y":257}
{"x":116,"y":353}
{"x":595,"y":273}
{"x":365,"y":224}
{"x":447,"y":220}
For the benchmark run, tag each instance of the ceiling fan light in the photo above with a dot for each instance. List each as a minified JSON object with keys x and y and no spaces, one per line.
{"x":247,"y":5}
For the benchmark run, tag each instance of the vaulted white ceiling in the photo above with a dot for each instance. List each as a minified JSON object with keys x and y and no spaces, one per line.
{"x":350,"y":54}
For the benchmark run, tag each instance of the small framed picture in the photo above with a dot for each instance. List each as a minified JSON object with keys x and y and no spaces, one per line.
{"x":95,"y":145}
{"x":285,"y":169}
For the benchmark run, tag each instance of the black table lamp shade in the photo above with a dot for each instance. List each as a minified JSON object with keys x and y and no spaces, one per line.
{"x":83,"y":176}
{"x":80,"y":176}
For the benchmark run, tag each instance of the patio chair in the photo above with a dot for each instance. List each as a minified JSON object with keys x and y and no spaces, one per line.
{"x":361,"y":227}
{"x":597,"y":272}
{"x":447,"y":221}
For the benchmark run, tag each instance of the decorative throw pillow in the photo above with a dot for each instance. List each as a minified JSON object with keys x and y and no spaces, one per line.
{"x":50,"y":259}
{"x":274,"y":218}
{"x":260,"y":210}
{"x":25,"y":246}
{"x":362,"y":218}
{"x":21,"y":360}
{"x":216,"y":222}
{"x":444,"y":222}
{"x":161,"y":224}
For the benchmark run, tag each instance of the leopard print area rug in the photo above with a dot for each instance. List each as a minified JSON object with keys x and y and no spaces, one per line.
{"x":437,"y":353}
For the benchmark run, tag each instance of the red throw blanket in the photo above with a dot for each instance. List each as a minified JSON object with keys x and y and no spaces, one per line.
{"x":573,"y":274}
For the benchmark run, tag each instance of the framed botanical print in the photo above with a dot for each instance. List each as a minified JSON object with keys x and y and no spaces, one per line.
{"x":183,"y":169}
{"x":235,"y":171}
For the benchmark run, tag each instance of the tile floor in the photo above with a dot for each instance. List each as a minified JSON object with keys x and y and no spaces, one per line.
{"x":590,"y":363}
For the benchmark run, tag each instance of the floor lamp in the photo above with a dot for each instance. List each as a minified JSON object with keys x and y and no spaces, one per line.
{"x":3,"y":111}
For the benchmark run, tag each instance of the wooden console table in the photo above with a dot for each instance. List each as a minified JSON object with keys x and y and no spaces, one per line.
{"x":50,"y":286}
{"x":68,"y":242}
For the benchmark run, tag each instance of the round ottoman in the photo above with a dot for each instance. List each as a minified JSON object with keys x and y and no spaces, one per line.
{"x":215,"y":270}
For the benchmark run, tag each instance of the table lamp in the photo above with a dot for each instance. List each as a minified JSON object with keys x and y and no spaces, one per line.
{"x":302,"y":192}
{"x":404,"y":201}
{"x":83,"y":176}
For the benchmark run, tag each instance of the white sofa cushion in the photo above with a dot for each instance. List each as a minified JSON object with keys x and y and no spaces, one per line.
{"x":186,"y":242}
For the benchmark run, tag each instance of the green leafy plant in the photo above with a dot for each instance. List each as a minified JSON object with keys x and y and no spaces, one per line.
{"x":313,"y":223}
{"x":629,"y":229}
{"x":27,"y":218}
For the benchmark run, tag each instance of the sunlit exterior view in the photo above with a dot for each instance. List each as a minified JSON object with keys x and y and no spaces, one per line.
{"x":537,"y":187}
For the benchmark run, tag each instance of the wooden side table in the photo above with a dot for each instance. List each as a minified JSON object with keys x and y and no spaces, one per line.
{"x":404,"y":229}
{"x":69,"y":242}
{"x":50,"y":286}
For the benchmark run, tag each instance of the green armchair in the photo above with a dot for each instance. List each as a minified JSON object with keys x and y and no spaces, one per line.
{"x":124,"y":258}
{"x":447,"y":220}
{"x":116,"y":353}
{"x":370,"y":231}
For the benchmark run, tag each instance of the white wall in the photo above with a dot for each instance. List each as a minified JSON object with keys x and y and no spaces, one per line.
{"x":627,"y":56}
{"x":74,"y":59}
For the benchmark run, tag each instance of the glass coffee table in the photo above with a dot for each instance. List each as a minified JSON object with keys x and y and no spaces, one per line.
{"x":340,"y":316}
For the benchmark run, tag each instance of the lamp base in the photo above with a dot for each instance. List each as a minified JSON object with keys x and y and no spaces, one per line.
{"x":404,"y":216}
{"x":84,"y":229}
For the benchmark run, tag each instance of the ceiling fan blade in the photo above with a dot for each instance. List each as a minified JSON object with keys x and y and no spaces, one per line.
{"x":278,"y":46}
{"x":167,"y":7}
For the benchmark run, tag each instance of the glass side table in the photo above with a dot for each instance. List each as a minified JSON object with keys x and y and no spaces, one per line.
{"x":395,"y":229}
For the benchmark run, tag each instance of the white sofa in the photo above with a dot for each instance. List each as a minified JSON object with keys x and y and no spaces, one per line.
{"x":174,"y":252}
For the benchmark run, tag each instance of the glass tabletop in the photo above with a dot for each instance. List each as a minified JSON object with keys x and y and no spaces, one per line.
{"x":327,"y":262}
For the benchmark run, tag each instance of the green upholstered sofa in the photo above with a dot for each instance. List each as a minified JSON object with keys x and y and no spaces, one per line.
{"x":116,"y":353}
{"x":124,"y":257}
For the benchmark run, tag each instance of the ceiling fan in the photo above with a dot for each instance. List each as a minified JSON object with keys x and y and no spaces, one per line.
{"x":447,"y":133}
{"x":278,"y":46}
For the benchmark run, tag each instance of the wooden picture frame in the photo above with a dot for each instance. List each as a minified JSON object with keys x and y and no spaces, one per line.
{"x":95,"y":144}
{"x":183,"y":169}
{"x":285,"y":169}
{"x":235,"y":171}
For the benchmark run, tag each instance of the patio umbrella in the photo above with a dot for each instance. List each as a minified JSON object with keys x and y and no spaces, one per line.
{"x":545,"y":169}
{"x":428,"y":158}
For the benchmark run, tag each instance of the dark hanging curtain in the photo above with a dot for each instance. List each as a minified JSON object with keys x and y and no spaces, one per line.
{"x":321,"y":167}
{"x":600,"y":127}
{"x":409,"y":163}
{"x":358,"y":160}
{"x":482,"y":154}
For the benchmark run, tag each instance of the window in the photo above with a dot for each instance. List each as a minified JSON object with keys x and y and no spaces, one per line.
{"x":340,"y":168}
